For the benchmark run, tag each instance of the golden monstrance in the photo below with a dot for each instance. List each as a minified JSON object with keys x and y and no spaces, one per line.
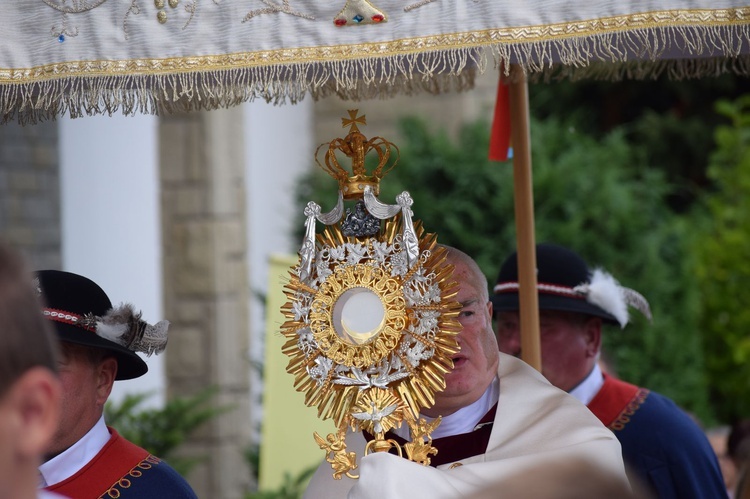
{"x":371,"y":317}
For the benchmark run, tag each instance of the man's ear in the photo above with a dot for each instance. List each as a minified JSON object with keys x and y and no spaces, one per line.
{"x":36,"y":396}
{"x":593,"y":331}
{"x":106,"y":373}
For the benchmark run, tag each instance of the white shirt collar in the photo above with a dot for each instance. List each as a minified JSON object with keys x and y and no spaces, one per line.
{"x":70,"y":461}
{"x":45,"y":494}
{"x":463,"y":420}
{"x":590,"y":386}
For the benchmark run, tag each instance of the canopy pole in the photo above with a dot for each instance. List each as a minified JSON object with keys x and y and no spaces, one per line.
{"x":524,"y":210}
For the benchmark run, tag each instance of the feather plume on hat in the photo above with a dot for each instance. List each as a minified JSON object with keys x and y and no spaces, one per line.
{"x":124,"y":326}
{"x":605,"y":292}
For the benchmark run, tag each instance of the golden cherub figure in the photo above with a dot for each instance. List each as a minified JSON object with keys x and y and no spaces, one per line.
{"x":420,"y":448}
{"x":341,"y":461}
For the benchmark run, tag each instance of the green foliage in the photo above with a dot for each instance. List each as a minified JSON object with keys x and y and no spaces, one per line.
{"x":602,"y":199}
{"x":161,"y":430}
{"x":292,"y":488}
{"x":252,"y":458}
{"x":722,"y":246}
{"x":670,"y":120}
{"x":597,"y":195}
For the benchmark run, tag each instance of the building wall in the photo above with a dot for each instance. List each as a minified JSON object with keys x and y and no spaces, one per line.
{"x":30,"y":191}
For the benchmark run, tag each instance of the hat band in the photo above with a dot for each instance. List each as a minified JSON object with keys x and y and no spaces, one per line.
{"x":554,"y":289}
{"x":68,"y":318}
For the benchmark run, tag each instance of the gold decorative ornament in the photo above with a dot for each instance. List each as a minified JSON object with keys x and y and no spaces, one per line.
{"x":371,"y":317}
{"x":359,"y":12}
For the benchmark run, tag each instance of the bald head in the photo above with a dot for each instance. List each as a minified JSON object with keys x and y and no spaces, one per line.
{"x":475,"y":365}
{"x":476,"y":277}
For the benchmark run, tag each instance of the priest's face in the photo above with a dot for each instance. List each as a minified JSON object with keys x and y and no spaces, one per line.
{"x":569,"y":344}
{"x":475,"y":365}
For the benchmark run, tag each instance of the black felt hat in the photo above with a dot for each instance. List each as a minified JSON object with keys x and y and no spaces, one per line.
{"x":565,"y":282}
{"x":80,"y":311}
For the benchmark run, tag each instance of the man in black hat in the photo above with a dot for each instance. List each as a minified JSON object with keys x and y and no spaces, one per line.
{"x":660,"y":443}
{"x":87,"y":459}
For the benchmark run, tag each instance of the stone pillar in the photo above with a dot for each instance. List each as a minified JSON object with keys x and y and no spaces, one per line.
{"x":206,"y":293}
{"x":30,"y":192}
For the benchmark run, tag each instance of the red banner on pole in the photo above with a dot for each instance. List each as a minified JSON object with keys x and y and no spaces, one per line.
{"x":500,"y":146}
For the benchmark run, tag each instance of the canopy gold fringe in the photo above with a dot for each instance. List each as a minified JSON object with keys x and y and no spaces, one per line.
{"x":154,"y":87}
{"x":80,"y":95}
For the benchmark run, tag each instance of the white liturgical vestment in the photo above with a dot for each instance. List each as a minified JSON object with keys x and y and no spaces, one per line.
{"x":534,"y":423}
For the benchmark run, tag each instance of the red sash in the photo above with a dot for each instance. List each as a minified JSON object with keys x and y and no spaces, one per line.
{"x":113,"y":462}
{"x":616,"y":402}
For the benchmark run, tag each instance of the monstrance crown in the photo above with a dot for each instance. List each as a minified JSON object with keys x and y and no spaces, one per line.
{"x":356,"y":147}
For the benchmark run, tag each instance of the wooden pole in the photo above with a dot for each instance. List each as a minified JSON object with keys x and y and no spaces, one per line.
{"x":524,"y":207}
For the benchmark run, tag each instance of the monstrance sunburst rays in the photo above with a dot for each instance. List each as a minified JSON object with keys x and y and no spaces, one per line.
{"x":371,"y":321}
{"x":404,"y":335}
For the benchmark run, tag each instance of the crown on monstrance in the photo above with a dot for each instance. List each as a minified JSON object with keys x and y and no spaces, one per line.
{"x":356,"y":147}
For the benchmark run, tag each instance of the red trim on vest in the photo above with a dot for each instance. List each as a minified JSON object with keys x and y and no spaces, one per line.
{"x":616,"y":402}
{"x":112,"y":463}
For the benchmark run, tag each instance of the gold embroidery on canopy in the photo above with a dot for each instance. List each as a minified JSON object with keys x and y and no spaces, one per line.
{"x":417,"y":5}
{"x":273,"y":8}
{"x":74,"y":8}
{"x":435,"y":63}
{"x":161,"y":15}
{"x":506,"y":41}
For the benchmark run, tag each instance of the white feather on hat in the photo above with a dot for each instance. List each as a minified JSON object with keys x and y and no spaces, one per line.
{"x":124,"y":326}
{"x":605,"y":292}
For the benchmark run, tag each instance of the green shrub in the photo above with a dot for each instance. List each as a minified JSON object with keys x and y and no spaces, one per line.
{"x":161,"y":430}
{"x":292,"y":488}
{"x":722,"y":271}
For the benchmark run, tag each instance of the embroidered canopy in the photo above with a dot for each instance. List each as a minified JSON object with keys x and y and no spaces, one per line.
{"x":105,"y":56}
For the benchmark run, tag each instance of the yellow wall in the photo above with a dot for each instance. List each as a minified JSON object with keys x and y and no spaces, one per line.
{"x":287,"y":444}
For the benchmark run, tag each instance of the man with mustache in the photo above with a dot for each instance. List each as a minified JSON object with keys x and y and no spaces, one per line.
{"x":99,"y":345}
{"x":661,"y":444}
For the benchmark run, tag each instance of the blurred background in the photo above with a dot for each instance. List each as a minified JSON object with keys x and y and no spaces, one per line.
{"x":196,"y":218}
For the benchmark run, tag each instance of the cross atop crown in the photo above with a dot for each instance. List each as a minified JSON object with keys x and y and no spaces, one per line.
{"x":356,"y":147}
